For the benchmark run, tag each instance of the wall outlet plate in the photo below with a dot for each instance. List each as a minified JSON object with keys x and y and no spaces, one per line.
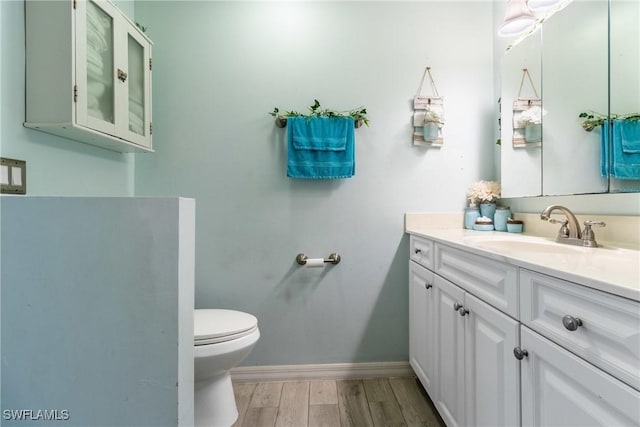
{"x":13,"y":176}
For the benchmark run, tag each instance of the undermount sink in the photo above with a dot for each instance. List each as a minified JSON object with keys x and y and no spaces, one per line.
{"x":509,"y":245}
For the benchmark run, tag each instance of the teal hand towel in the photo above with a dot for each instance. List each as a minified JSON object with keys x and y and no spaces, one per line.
{"x":630,"y":135}
{"x":604,"y":149}
{"x":624,"y":165}
{"x":320,"y":147}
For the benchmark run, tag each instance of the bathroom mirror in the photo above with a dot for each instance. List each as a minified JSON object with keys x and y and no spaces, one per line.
{"x":625,"y":70}
{"x":521,"y":163}
{"x":571,"y":54}
{"x":575,"y":79}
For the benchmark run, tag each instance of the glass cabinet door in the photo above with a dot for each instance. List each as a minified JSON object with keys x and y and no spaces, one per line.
{"x":96,"y":53}
{"x":138,"y":117}
{"x":113,"y":78}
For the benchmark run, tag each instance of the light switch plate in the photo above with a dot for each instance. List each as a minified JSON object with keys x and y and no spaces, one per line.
{"x":13,"y":176}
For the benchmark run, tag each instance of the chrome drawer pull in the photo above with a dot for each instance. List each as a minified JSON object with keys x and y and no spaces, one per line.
{"x":571,"y":323}
{"x":417,"y":250}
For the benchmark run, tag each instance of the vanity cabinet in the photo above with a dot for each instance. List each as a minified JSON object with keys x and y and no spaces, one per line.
{"x":88,"y":74}
{"x":488,"y":342}
{"x":460,"y":346}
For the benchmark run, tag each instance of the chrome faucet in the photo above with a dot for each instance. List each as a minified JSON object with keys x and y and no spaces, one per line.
{"x":570,"y":228}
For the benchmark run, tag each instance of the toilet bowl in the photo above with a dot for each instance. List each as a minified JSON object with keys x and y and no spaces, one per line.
{"x":222,"y":339}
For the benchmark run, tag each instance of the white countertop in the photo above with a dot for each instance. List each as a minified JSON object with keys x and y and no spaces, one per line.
{"x":606,"y":268}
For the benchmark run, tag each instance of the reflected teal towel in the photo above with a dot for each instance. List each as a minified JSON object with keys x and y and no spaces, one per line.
{"x":630,"y":135}
{"x":604,"y":149}
{"x":320,"y":147}
{"x":625,"y":162}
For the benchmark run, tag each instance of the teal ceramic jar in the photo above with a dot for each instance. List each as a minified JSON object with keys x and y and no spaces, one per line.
{"x":514,"y":226}
{"x":470,"y":216}
{"x":500,"y":218}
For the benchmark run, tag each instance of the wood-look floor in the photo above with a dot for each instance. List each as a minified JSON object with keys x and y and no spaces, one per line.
{"x":335,"y":403}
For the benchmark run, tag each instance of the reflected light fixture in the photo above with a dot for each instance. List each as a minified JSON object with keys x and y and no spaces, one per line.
{"x":517,"y":19}
{"x":542,"y":5}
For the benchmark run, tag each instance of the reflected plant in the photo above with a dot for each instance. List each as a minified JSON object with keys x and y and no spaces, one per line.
{"x":593,"y":120}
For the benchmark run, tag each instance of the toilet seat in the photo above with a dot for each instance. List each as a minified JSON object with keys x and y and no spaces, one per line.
{"x":212,"y":326}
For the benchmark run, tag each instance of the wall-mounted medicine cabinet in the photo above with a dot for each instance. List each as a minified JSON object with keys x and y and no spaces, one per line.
{"x":88,"y":74}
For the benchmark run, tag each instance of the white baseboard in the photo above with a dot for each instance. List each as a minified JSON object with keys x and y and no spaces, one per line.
{"x":321,"y":371}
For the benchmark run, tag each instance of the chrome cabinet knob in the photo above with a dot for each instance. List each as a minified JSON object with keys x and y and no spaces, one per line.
{"x":428,"y":286}
{"x":571,"y":323}
{"x":457,"y":306}
{"x":463,"y":311}
{"x":520,"y":353}
{"x":417,"y":250}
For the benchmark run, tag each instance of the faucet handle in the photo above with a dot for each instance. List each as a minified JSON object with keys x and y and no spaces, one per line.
{"x":589,"y":223}
{"x":588,"y":237}
{"x":564,"y":230}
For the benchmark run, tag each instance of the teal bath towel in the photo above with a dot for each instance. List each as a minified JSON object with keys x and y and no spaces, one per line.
{"x":625,"y":150}
{"x":320,"y":147}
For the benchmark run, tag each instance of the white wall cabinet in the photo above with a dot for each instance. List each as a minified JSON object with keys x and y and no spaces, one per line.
{"x":488,"y":342}
{"x":88,"y":74}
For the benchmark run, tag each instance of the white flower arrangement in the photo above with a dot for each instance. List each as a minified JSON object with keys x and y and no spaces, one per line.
{"x":532,"y":116}
{"x":484,"y":192}
{"x":432,"y":116}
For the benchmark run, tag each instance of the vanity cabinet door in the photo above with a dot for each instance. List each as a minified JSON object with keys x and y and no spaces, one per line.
{"x":492,"y":373}
{"x":449,"y":395}
{"x":561,"y":389}
{"x":422,"y":349}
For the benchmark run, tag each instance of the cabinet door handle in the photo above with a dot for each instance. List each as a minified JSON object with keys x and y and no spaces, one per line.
{"x":463,"y":311}
{"x":520,"y":353}
{"x":417,"y":250}
{"x":428,"y":285}
{"x":571,"y":323}
{"x":457,"y":306}
{"x":122,"y":76}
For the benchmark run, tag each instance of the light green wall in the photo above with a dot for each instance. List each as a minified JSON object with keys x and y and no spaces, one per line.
{"x":220,"y":67}
{"x":55,"y":166}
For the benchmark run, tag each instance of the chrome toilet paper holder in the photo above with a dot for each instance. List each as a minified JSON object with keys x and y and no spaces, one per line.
{"x":334,"y":259}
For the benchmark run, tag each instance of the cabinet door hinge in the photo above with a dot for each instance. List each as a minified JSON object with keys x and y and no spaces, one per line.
{"x":75,"y":93}
{"x":150,"y":64}
{"x":150,"y":128}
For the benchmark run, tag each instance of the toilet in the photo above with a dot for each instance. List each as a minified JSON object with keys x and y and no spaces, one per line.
{"x":222,"y":339}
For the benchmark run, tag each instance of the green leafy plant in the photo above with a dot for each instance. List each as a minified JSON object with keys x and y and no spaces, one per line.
{"x":593,"y":120}
{"x":359,"y":115}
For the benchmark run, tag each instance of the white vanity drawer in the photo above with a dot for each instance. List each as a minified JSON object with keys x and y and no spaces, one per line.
{"x":494,"y":282}
{"x":421,"y":251}
{"x":609,"y":333}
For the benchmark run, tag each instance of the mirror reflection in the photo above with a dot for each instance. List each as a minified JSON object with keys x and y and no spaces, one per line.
{"x":625,"y":92}
{"x":575,"y":73}
{"x":568,"y":59}
{"x":521,"y":160}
